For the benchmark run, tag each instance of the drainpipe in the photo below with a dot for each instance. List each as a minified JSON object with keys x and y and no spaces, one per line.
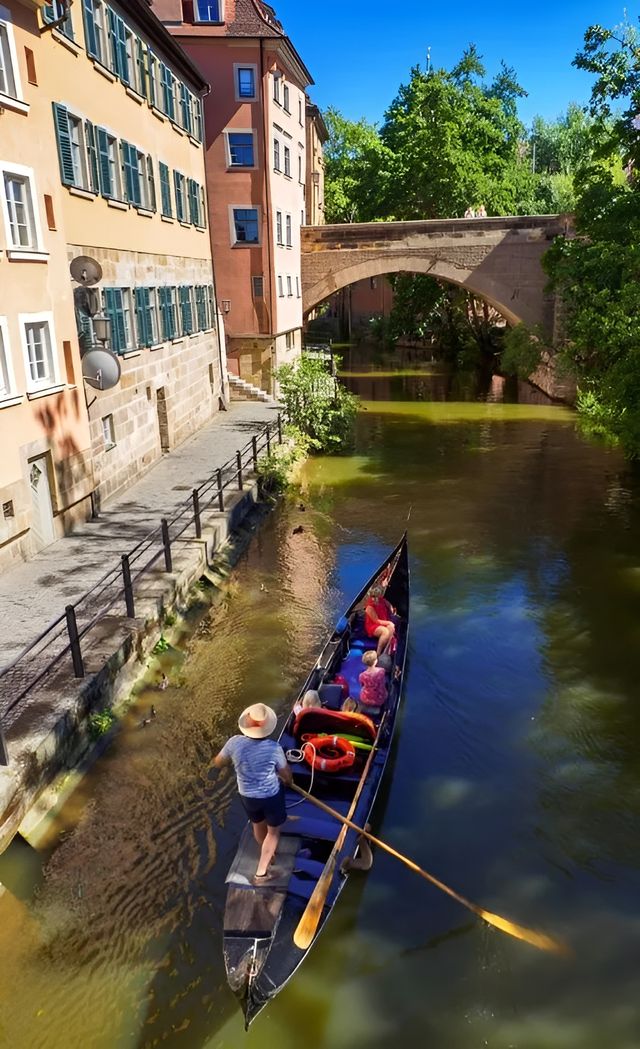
{"x":267,"y":199}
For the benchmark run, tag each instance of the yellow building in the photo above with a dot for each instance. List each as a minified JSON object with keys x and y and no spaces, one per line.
{"x":105,"y":117}
{"x":317,"y":135}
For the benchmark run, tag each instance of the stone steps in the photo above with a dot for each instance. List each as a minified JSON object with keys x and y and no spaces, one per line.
{"x":241,"y":390}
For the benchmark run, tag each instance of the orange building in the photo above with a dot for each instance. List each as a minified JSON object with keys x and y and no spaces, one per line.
{"x":255,"y":119}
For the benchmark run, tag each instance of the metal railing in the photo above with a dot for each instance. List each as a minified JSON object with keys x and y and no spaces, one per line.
{"x":63,"y":637}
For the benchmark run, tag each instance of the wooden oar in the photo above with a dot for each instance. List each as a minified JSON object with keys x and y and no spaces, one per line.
{"x":306,"y":928}
{"x":536,"y":939}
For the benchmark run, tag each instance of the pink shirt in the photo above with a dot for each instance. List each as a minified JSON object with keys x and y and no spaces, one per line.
{"x":373,"y":687}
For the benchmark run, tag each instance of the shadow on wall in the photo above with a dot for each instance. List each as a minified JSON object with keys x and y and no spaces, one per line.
{"x":59,"y":419}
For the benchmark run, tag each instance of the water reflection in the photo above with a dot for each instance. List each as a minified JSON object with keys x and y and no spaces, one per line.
{"x":515,"y":774}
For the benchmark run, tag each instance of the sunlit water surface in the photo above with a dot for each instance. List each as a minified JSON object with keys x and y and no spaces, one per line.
{"x":515,"y":777}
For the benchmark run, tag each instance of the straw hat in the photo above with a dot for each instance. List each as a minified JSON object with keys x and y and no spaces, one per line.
{"x":258,"y":721}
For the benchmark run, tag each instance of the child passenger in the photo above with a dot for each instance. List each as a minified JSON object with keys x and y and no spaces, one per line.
{"x":373,"y":685}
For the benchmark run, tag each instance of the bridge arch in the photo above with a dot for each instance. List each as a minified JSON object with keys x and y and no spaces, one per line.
{"x":432,"y":267}
{"x":497,"y":259}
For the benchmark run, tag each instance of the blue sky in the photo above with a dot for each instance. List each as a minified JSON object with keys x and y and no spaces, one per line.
{"x":360,"y":52}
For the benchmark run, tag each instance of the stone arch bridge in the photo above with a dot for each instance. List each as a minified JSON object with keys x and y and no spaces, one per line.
{"x":498,"y":259}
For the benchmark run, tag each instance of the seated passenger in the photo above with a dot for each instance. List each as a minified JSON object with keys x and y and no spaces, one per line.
{"x":311,"y":698}
{"x":349,"y":706}
{"x":373,"y":684}
{"x":376,"y":619}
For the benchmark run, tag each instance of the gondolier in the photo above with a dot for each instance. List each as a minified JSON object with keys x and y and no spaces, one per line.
{"x":261,"y":770}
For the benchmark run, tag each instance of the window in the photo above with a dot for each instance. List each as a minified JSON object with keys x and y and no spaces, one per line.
{"x":146,"y":182}
{"x":245,"y":222}
{"x":146,"y":316}
{"x":132,"y":66}
{"x":167,"y":80}
{"x":300,"y":121}
{"x":287,"y":161}
{"x":39,"y":351}
{"x":197,"y":118}
{"x":288,"y":229}
{"x":181,"y":200}
{"x":6,"y":374}
{"x":186,"y":312}
{"x":246,"y":82}
{"x":78,"y":155}
{"x":20,"y":215}
{"x":131,"y":174}
{"x":108,"y":432}
{"x":153,"y":81}
{"x":289,"y":287}
{"x":165,"y":191}
{"x":202,"y":308}
{"x":52,"y":12}
{"x":95,"y":36}
{"x":117,"y":306}
{"x":9,"y":81}
{"x":108,"y":164}
{"x":175,"y":313}
{"x":240,"y":149}
{"x":118,"y":60}
{"x":276,"y":155}
{"x":77,"y":151}
{"x":185,"y":109}
{"x":285,"y":98}
{"x":276,"y":87}
{"x":289,"y":340}
{"x":279,"y":239}
{"x":193,"y":193}
{"x":167,"y":314}
{"x":257,"y":284}
{"x":300,"y":179}
{"x":280,"y":287}
{"x":207,"y":10}
{"x":297,"y":287}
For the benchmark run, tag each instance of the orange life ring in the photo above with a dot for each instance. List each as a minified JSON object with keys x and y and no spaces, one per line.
{"x":329,"y":753}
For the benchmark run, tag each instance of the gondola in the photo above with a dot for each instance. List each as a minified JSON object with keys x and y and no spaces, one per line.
{"x":260,"y":922}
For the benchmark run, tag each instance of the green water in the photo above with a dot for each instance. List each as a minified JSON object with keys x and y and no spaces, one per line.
{"x":515,"y":776}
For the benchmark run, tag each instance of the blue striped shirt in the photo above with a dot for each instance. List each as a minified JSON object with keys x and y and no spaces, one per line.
{"x":255,"y":762}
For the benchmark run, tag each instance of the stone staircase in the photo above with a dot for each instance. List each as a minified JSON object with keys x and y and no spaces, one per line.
{"x":241,"y":390}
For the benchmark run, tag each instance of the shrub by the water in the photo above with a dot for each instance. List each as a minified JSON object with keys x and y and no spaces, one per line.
{"x":318,"y":405}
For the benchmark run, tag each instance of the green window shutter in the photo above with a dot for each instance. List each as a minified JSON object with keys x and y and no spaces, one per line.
{"x":178,"y":180}
{"x":167,"y":80}
{"x":103,"y":162}
{"x":131,"y":173}
{"x":143,"y":317}
{"x":152,"y":185}
{"x":203,"y":208}
{"x":185,"y":310}
{"x":113,"y":41}
{"x":162,"y":305}
{"x":90,"y":32}
{"x":165,"y":190}
{"x":185,"y":106}
{"x":142,"y":67}
{"x":93,"y":156}
{"x":197,"y":122}
{"x":121,"y":39}
{"x":115,"y":312}
{"x":64,"y":143}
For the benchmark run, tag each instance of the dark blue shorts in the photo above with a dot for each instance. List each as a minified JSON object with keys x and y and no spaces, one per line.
{"x":271,"y":811}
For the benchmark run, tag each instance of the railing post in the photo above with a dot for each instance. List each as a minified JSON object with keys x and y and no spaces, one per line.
{"x":268,"y":440}
{"x":239,"y":465}
{"x":254,"y":445}
{"x":279,"y":428}
{"x":220,"y":493}
{"x":166,"y":542}
{"x":196,"y":513}
{"x":128,"y":589}
{"x":74,"y":640}
{"x":4,"y":753}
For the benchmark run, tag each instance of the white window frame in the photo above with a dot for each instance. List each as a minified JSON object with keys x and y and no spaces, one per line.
{"x":297,"y":286}
{"x":232,"y":225}
{"x":129,"y":319}
{"x":115,"y":166}
{"x":289,"y":287}
{"x":81,"y":179}
{"x":206,"y":21}
{"x":18,"y":250}
{"x":287,"y":161}
{"x":227,"y":145}
{"x":277,"y":81}
{"x":288,"y":226}
{"x":279,"y":229}
{"x":280,"y":287}
{"x":51,"y":381}
{"x":286,"y":98}
{"x":237,"y":66}
{"x":15,"y":101}
{"x":8,"y":391}
{"x":102,"y":36}
{"x":108,"y":432}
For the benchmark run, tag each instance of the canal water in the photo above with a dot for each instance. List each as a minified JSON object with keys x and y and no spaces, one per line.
{"x":515,"y":775}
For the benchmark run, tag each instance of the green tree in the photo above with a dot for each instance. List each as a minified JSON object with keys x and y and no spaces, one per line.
{"x":352,"y":159}
{"x":596,"y":273}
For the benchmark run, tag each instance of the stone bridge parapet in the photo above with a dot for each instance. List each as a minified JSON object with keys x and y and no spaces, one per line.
{"x":498,"y":259}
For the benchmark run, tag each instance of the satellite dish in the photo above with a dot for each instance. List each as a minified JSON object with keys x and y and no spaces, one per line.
{"x":85,"y":270}
{"x":101,"y":369}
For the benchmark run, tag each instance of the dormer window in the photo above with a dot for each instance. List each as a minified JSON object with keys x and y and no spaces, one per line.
{"x":208,"y":10}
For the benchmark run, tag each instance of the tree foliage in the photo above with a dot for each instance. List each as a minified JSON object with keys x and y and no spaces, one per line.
{"x":318,"y":405}
{"x":596,"y":273}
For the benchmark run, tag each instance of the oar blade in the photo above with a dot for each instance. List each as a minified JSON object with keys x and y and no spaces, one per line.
{"x":537,"y":939}
{"x":308,"y":924}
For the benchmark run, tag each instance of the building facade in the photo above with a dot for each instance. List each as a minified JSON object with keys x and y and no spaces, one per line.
{"x":102,"y":160}
{"x":317,"y":135}
{"x":255,"y":120}
{"x":46,"y":469}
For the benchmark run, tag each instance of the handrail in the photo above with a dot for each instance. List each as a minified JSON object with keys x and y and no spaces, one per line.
{"x":116,"y":584}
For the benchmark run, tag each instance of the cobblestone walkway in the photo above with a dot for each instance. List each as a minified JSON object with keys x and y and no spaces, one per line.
{"x":35,"y":592}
